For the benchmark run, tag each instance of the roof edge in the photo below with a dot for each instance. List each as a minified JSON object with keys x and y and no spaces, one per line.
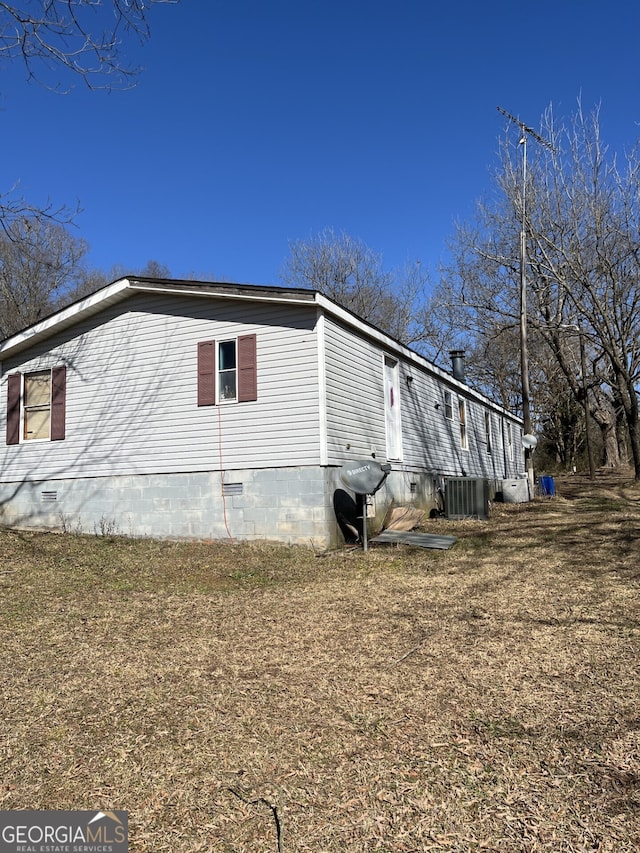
{"x":122,"y":287}
{"x":65,"y":317}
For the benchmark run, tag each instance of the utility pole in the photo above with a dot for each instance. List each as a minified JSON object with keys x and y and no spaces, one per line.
{"x":524,"y":351}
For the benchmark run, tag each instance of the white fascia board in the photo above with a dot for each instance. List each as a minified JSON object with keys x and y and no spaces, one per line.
{"x":409,"y":355}
{"x":66,"y":317}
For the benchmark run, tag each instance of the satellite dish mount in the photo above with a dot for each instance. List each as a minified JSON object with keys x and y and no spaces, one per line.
{"x":364,"y":477}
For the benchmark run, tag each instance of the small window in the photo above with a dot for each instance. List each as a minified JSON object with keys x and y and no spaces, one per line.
{"x":487,"y":430}
{"x":227,"y":372}
{"x":448,"y":405}
{"x":462,"y":414}
{"x":37,"y":405}
{"x":510,"y":442}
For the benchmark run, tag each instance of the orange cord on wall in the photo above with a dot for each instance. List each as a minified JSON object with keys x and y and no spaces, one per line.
{"x":224,"y":498}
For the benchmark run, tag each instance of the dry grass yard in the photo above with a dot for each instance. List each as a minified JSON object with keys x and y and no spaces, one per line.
{"x":237,"y":698}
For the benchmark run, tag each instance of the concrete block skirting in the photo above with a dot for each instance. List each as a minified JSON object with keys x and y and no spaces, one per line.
{"x":290,"y":505}
{"x":285,"y":504}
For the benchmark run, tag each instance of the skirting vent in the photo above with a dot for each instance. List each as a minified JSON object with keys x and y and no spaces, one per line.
{"x":232,"y":488}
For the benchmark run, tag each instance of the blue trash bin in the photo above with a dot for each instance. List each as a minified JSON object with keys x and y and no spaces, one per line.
{"x":547,"y":486}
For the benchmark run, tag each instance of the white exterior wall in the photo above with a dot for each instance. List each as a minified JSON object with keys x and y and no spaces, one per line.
{"x":355,"y":396}
{"x":430,"y":441}
{"x":131,"y":401}
{"x":433,"y":441}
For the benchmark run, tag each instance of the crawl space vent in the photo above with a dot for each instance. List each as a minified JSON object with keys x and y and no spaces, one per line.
{"x":232,"y":489}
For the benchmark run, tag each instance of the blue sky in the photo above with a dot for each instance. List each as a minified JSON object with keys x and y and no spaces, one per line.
{"x":255,"y":124}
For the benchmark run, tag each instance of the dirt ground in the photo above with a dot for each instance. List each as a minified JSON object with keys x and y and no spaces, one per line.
{"x":263,"y":698}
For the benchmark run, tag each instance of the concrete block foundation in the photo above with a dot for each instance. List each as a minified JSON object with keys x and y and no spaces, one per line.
{"x":290,"y":505}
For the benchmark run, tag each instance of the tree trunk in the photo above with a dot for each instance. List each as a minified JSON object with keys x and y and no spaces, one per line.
{"x":633,"y":423}
{"x":606,"y":421}
{"x":623,"y":436}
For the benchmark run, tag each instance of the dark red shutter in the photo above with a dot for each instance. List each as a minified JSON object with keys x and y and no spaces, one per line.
{"x":247,"y":369}
{"x":58,"y":403}
{"x":206,"y":373}
{"x":14,"y":386}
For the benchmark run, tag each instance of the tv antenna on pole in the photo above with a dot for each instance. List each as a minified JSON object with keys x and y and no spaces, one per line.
{"x":525,"y":131}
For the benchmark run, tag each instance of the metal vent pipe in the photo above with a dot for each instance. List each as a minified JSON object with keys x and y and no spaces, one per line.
{"x":457,"y":362}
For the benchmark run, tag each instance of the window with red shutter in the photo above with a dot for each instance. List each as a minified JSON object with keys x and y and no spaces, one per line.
{"x":36,"y":406}
{"x":227,"y":371}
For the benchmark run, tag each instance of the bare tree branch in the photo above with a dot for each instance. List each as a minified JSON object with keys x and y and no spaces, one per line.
{"x":58,"y":41}
{"x":348,"y":271}
{"x":74,"y":39}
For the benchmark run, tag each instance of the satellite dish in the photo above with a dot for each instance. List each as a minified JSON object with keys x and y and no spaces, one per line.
{"x":364,"y":476}
{"x":529,"y":441}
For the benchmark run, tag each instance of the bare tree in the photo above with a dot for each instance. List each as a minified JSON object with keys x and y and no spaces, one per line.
{"x":348,"y":271}
{"x":583,"y":267}
{"x":341,"y":267}
{"x":39,"y":262}
{"x":87,"y":281}
{"x":585,"y":259}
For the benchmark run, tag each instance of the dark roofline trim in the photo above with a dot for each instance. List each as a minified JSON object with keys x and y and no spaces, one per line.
{"x":224,"y":287}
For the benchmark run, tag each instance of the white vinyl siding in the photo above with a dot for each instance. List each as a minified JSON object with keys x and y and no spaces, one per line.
{"x":132,"y":396}
{"x":132,"y":392}
{"x":354,"y":395}
{"x":430,"y":439}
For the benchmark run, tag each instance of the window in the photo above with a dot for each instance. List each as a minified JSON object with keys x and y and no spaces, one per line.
{"x":510,"y":442}
{"x":448,"y":405}
{"x":227,"y":371}
{"x":227,"y":375}
{"x":487,"y":430}
{"x":36,"y":406}
{"x":462,"y":414}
